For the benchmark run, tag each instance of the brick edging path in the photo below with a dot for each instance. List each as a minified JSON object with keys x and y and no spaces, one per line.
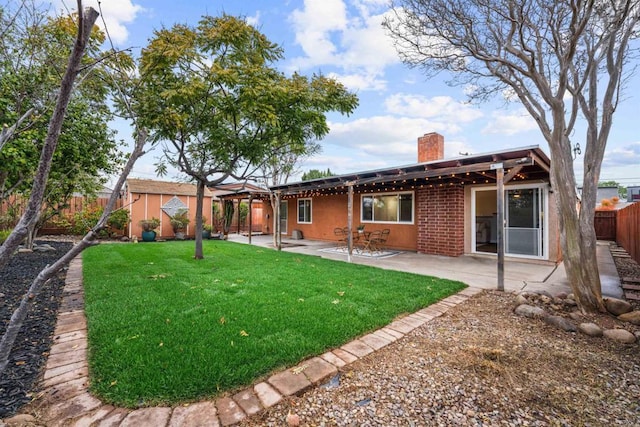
{"x":65,"y":397}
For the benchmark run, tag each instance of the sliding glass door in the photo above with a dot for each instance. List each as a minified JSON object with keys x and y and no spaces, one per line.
{"x":524,"y":208}
{"x":524,"y":231}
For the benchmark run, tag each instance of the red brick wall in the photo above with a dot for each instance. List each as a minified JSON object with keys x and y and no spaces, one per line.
{"x":440,"y":219}
{"x":430,"y":147}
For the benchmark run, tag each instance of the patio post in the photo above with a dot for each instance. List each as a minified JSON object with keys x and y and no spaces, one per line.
{"x":250,"y":216}
{"x":349,"y":220}
{"x":277,"y":225}
{"x":500,"y":220}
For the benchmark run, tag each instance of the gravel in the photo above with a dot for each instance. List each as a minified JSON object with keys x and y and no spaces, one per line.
{"x":481,"y":365}
{"x":28,"y":356}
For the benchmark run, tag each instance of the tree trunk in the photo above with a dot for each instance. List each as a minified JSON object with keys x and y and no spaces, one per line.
{"x":199,"y":206}
{"x":578,"y":240}
{"x":87,"y":19}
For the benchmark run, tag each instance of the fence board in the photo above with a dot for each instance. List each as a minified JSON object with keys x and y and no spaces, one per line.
{"x":604,"y":223}
{"x":628,"y":230}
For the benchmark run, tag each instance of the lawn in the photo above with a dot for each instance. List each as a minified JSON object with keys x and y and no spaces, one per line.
{"x":165,"y":328}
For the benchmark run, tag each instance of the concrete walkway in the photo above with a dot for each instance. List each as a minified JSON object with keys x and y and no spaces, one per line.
{"x":475,"y":270}
{"x":65,"y":398}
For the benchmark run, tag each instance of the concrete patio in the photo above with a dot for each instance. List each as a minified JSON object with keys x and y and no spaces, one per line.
{"x":474,"y":270}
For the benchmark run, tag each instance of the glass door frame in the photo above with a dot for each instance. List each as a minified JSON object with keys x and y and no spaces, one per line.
{"x":284,"y":216}
{"x":544,"y":218}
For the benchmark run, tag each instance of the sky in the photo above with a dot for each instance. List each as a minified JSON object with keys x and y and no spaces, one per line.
{"x":344,"y":39}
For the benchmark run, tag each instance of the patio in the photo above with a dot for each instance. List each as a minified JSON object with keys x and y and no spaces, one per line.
{"x":474,"y":270}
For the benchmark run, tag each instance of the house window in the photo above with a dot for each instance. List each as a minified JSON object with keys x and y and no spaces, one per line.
{"x":390,"y":207}
{"x":304,"y":211}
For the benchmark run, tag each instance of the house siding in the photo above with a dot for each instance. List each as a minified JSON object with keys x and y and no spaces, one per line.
{"x":440,"y":219}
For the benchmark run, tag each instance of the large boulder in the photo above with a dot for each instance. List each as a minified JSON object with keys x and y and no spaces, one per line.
{"x":631,"y":317}
{"x":620,"y":335}
{"x":561,"y":323}
{"x":530,"y":311}
{"x":617,"y":306}
{"x":590,"y":329}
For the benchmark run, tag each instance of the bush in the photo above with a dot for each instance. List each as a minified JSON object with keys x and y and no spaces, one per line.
{"x":86,"y":219}
{"x":180,"y":220}
{"x":118,"y":219}
{"x":3,"y":235}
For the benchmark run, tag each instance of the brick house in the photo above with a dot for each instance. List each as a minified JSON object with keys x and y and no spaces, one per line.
{"x":146,"y":198}
{"x":436,"y":206}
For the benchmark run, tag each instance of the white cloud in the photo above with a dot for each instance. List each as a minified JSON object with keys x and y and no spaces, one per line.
{"x":359,"y":82}
{"x":441,"y":107}
{"x":510,"y":123}
{"x":621,"y":156}
{"x":392,"y":138}
{"x":254,"y":20}
{"x":351,"y":40}
{"x":116,"y":14}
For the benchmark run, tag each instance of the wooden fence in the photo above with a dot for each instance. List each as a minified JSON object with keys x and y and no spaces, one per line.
{"x":76,"y":204}
{"x":605,"y":224}
{"x":628,"y":230}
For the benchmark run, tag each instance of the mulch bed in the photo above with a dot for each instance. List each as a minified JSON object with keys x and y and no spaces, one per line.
{"x":29,"y":355}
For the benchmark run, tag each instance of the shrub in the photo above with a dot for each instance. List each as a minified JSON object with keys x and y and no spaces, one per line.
{"x":86,"y":219}
{"x":3,"y":235}
{"x":180,"y":220}
{"x":118,"y":219}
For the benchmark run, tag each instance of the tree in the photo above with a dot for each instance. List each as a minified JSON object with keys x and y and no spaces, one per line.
{"x":33,"y":54}
{"x":316,"y":173}
{"x":222,"y":108}
{"x":562,"y":60}
{"x":622,"y":191}
{"x":84,"y":24}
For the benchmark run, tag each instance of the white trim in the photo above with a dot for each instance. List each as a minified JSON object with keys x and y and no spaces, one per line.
{"x":310,"y":210}
{"x":396,"y":193}
{"x":543,"y":187}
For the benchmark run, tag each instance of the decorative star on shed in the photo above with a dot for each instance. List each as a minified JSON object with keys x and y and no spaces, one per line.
{"x":173,"y":206}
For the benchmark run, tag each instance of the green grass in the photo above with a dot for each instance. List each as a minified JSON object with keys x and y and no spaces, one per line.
{"x":165,"y":328}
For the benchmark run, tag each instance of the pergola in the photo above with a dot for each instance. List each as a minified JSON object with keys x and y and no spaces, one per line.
{"x":522,"y":164}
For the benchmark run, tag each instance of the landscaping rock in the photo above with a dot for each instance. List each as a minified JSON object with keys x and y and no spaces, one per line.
{"x":521,"y":299}
{"x":530,"y":311}
{"x":617,"y":306}
{"x":561,"y":323}
{"x":620,"y":335}
{"x":43,"y":248}
{"x":577,"y":316}
{"x":631,"y":317}
{"x":590,"y":329}
{"x":562,"y":295}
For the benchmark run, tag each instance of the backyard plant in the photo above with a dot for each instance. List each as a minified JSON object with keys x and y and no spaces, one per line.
{"x":179,"y":222}
{"x":149,"y":224}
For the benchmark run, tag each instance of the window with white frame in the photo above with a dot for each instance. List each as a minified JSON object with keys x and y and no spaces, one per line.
{"x":387,"y":207}
{"x":304,"y":211}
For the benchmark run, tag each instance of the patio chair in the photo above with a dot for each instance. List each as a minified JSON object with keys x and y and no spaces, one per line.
{"x":342,"y":237}
{"x":382,"y":242}
{"x":370,"y":243}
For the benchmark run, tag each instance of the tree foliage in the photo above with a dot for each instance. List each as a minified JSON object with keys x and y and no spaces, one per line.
{"x":33,"y":54}
{"x":316,"y":174}
{"x":214,"y":96}
{"x":563,"y":60}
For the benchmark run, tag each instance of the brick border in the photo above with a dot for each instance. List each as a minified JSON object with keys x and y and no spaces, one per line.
{"x":65,"y":393}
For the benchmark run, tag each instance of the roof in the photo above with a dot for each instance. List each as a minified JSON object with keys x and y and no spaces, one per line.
{"x":528,"y":163}
{"x":238,"y":190}
{"x":150,"y":186}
